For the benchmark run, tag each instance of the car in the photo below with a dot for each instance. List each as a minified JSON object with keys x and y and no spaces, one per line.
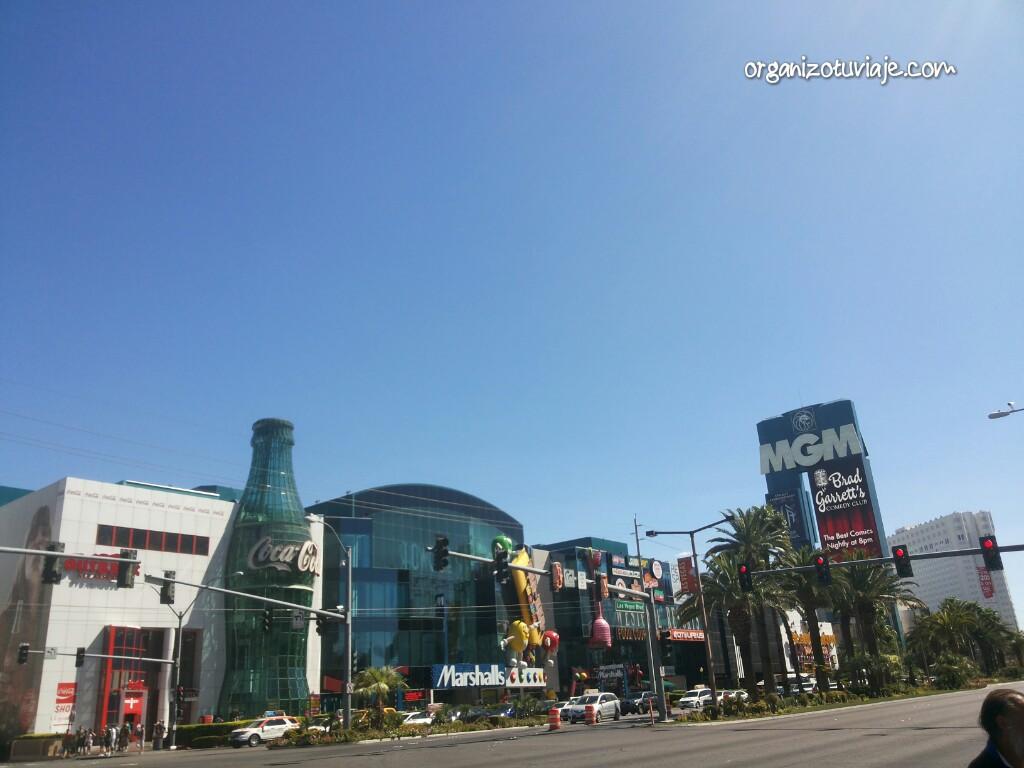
{"x":264,"y":729}
{"x":566,"y":709}
{"x":808,"y":687}
{"x":639,"y":703}
{"x":321,"y":723}
{"x":419,"y":718}
{"x":556,"y":705}
{"x":695,"y":698}
{"x":606,"y":705}
{"x":473,"y":714}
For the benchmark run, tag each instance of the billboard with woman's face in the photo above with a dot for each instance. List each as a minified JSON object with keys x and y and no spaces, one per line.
{"x":25,"y":603}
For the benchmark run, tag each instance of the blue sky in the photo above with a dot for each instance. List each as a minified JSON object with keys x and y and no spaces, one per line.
{"x":561,"y":256}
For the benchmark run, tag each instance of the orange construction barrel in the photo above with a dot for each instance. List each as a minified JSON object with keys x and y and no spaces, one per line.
{"x":554,"y":719}
{"x":590,"y":714}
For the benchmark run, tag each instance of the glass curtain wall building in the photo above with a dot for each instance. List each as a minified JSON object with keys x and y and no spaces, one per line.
{"x":406,"y":614}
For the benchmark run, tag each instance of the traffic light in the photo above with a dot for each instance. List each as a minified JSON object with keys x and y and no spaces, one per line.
{"x":502,"y":573}
{"x":990,"y":553}
{"x":53,"y":565}
{"x":23,"y":653}
{"x":167,"y":589}
{"x":268,"y":619}
{"x":319,"y":625}
{"x":440,"y":553}
{"x":822,"y":569}
{"x":746,"y":582}
{"x":901,"y":559}
{"x":80,"y":657}
{"x":126,"y":571}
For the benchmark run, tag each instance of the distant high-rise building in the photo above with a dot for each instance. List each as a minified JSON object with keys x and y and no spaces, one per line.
{"x":965,"y":578}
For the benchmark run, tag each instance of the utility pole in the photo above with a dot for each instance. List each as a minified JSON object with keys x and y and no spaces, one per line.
{"x":700,"y":599}
{"x":657,"y":684}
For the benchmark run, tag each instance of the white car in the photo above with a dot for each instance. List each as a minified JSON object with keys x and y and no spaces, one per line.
{"x":259,"y":731}
{"x":606,"y":705}
{"x":565,"y":710}
{"x":695,"y":698}
{"x":419,"y":718}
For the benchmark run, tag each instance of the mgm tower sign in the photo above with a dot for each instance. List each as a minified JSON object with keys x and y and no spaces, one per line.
{"x":824,"y":443}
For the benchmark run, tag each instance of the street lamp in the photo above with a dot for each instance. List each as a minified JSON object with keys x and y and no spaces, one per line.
{"x":347,"y":698}
{"x":700,"y":598}
{"x":1001,"y":414}
{"x":177,"y":658}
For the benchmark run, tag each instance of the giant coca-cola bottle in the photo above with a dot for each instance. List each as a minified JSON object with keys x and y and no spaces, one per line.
{"x":271,"y":555}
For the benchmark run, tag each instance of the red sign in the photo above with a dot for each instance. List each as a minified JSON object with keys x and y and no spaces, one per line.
{"x":65,"y":693}
{"x":686,"y":635}
{"x":687,"y":575}
{"x":416,"y":694}
{"x":988,"y":588}
{"x":314,"y":704}
{"x":95,"y":569}
{"x":133,"y":702}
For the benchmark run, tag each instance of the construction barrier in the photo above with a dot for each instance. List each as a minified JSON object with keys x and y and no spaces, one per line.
{"x":554,"y":719}
{"x":590,"y":716}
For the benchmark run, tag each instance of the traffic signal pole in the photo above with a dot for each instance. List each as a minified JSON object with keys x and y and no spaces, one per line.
{"x":891,"y":561}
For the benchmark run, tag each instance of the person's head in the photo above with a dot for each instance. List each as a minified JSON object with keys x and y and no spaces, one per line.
{"x":1002,"y":717}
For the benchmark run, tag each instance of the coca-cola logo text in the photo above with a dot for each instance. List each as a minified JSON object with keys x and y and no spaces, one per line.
{"x":300,"y":557}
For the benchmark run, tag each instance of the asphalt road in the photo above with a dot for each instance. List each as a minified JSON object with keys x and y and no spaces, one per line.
{"x":936,"y":730}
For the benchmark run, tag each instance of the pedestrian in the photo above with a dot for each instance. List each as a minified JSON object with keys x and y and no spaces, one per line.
{"x":66,"y":742}
{"x":1002,"y":717}
{"x":89,"y":736}
{"x":158,"y":735}
{"x":104,"y":741}
{"x":140,"y":734}
{"x":126,"y":736}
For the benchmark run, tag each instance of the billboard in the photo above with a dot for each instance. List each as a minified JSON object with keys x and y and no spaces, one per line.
{"x":31,"y":522}
{"x":842,"y":507}
{"x":687,"y":575}
{"x":824,"y":443}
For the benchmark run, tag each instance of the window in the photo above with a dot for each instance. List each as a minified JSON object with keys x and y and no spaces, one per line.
{"x":105,"y":535}
{"x":155,"y":541}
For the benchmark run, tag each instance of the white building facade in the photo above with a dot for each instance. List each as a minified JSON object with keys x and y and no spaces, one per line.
{"x":964,"y":578}
{"x":172,"y":529}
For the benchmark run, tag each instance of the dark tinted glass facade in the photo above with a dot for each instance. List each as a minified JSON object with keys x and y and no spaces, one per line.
{"x":407,"y":614}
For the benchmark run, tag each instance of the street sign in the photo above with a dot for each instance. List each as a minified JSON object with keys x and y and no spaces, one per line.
{"x":51,"y":652}
{"x":298,"y":619}
{"x":350,"y":687}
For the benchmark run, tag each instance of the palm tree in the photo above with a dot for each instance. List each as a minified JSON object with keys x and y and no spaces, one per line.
{"x":991,"y":636}
{"x":1016,"y":646}
{"x":807,"y":595}
{"x":377,"y":683}
{"x":871,"y":588}
{"x":721,"y":586}
{"x":755,"y":536}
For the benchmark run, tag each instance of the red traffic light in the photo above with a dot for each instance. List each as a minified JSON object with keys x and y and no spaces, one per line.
{"x":743,"y":569}
{"x":987,"y":543}
{"x":820,"y":560}
{"x":899,"y":552}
